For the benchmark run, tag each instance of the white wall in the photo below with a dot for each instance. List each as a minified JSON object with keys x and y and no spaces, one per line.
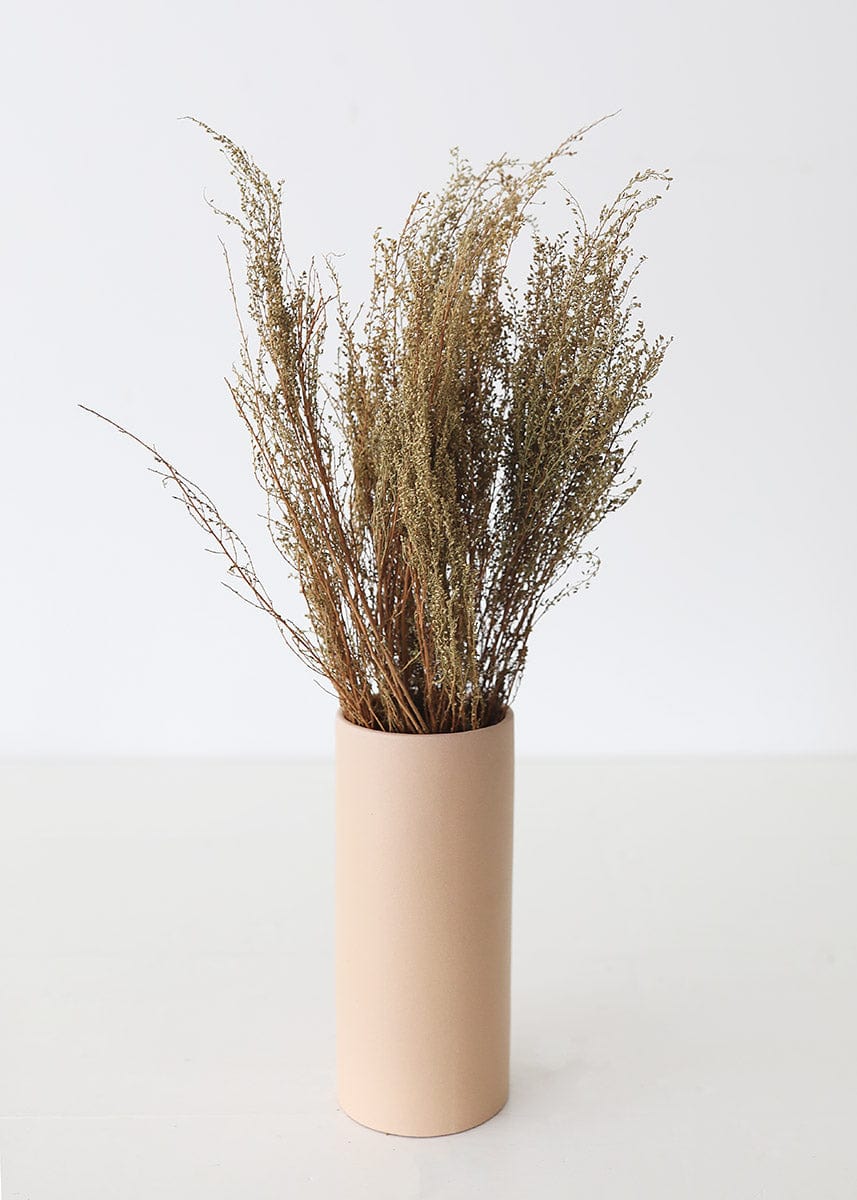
{"x":723,"y":616}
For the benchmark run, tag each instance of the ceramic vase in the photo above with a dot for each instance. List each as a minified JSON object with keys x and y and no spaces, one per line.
{"x":423,"y":926}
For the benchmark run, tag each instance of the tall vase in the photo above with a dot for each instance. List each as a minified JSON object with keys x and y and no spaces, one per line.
{"x":423,"y":926}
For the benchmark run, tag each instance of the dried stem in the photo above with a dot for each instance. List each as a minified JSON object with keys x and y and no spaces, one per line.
{"x":431,"y":493}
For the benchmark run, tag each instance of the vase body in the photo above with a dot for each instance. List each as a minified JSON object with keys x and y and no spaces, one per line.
{"x":423,"y":926}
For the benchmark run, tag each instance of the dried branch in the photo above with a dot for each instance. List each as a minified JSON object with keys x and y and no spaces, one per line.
{"x":433,"y":492}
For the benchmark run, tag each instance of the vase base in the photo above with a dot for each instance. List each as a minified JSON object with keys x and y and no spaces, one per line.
{"x":403,"y":1130}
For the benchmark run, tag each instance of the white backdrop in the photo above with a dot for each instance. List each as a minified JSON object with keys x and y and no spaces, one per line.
{"x":723,"y":616}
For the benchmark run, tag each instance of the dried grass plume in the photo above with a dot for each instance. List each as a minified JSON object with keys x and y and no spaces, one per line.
{"x":433,"y":490}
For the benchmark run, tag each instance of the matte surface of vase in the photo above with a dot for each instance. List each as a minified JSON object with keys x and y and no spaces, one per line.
{"x":423,"y":926}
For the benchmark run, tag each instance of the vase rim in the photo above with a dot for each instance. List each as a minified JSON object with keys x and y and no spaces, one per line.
{"x":506,"y":720}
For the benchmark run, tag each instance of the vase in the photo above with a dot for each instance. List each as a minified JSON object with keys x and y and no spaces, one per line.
{"x":423,"y":926}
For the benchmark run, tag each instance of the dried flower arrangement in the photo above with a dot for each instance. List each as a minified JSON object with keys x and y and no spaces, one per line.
{"x":431,"y":492}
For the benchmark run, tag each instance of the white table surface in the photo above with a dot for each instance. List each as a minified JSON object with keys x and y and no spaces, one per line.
{"x":684,"y":988}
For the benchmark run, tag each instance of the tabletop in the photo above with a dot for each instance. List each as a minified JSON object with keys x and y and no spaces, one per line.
{"x":683,"y":999}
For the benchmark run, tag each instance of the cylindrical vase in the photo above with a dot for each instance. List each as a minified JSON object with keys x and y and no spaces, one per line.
{"x":423,"y":926}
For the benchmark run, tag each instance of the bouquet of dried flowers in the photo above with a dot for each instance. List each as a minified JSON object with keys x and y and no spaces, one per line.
{"x":432,"y":491}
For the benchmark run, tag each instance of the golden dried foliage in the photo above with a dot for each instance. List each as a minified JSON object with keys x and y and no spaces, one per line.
{"x":432,"y":491}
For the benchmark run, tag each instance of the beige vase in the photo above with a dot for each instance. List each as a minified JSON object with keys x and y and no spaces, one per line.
{"x":423,"y":926}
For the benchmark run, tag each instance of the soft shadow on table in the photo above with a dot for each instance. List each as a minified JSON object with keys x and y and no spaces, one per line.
{"x":570,"y":1056}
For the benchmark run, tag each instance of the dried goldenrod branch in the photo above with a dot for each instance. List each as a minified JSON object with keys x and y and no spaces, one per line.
{"x":431,"y":493}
